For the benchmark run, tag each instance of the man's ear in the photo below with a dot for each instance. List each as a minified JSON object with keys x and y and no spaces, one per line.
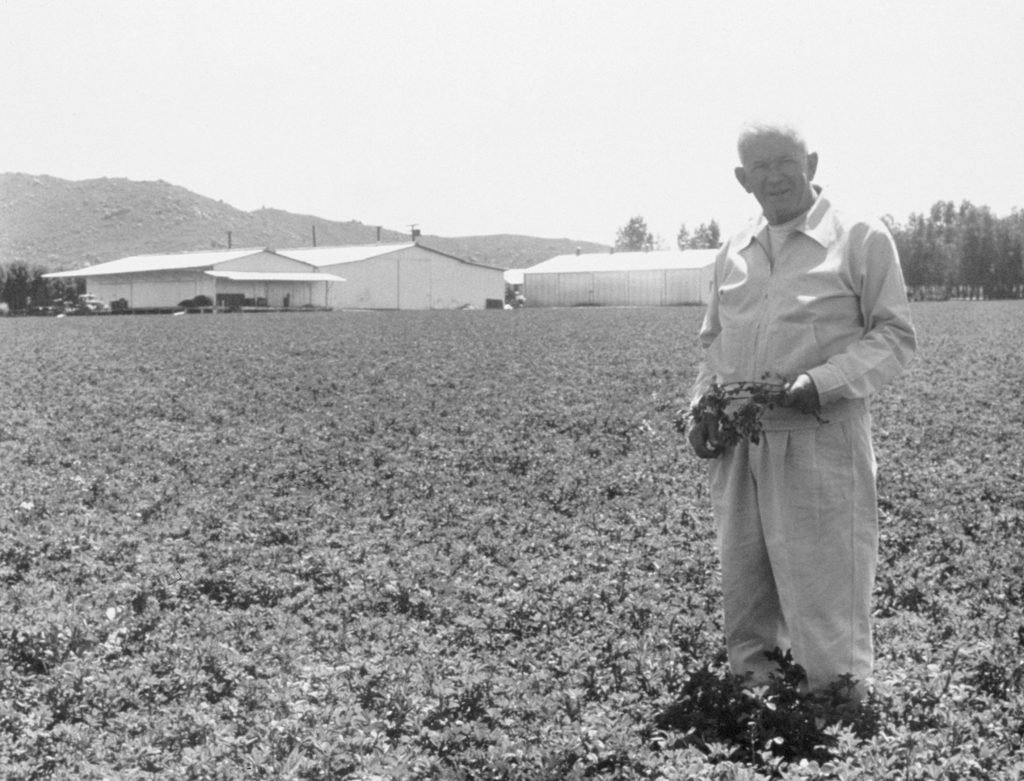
{"x":812,"y":165}
{"x":741,"y":177}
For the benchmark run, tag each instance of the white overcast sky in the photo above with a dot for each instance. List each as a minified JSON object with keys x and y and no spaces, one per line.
{"x":554,"y":118}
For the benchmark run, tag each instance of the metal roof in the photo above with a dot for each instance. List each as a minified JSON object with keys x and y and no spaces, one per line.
{"x":654,"y":260}
{"x":139,"y":263}
{"x":331,"y":256}
{"x":275,"y":276}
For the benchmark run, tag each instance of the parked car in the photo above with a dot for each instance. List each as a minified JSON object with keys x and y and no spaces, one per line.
{"x":88,"y":303}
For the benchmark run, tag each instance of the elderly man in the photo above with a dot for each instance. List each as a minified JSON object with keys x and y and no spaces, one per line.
{"x":816,"y":297}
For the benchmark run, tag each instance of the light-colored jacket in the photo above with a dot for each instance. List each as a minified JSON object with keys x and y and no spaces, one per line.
{"x":833,"y":304}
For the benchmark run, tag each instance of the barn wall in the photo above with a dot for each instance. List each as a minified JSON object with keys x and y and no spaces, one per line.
{"x":682,"y":287}
{"x":689,"y":286}
{"x":369,"y":284}
{"x":455,"y":284}
{"x":692,"y":286}
{"x":658,"y":287}
{"x":582,"y":288}
{"x":646,"y":288}
{"x":414,"y":278}
{"x":542,"y":290}
{"x":575,"y":289}
{"x":415,"y":282}
{"x":607,"y":288}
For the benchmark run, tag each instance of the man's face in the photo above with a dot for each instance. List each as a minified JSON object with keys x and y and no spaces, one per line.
{"x":777,"y":171}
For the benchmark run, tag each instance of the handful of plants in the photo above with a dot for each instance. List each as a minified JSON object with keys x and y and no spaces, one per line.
{"x":737,"y":407}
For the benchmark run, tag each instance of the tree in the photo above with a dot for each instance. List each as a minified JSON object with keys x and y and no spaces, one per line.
{"x":17,"y":285}
{"x":707,"y":236}
{"x":963,"y":250}
{"x":977,"y":248}
{"x":634,"y":237}
{"x":928,"y":252}
{"x":1007,"y":267}
{"x":683,"y":237}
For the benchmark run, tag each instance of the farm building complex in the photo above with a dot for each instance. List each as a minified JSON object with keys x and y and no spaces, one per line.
{"x":657,"y":278}
{"x":375,"y":276}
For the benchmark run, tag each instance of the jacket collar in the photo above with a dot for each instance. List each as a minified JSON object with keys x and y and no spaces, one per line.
{"x":814,"y":224}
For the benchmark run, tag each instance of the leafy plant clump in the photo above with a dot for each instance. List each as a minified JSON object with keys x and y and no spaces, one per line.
{"x":737,"y":408}
{"x":729,"y":719}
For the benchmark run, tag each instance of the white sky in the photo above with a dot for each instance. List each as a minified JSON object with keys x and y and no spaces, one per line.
{"x":554,"y":118}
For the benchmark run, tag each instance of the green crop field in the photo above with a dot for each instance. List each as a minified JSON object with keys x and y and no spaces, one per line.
{"x":466,"y":545}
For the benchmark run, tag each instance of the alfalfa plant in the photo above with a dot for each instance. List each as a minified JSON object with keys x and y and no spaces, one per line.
{"x":737,"y":408}
{"x":729,"y":718}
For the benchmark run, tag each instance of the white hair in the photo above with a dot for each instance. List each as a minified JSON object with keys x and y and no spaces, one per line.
{"x":753,"y":129}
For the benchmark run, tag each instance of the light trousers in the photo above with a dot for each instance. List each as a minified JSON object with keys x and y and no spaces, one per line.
{"x":798,"y":535}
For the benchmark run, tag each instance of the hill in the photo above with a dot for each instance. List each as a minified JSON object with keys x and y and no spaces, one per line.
{"x":508,"y":250}
{"x":58,"y":224}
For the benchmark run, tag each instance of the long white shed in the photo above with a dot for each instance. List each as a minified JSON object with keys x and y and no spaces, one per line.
{"x":656,"y":278}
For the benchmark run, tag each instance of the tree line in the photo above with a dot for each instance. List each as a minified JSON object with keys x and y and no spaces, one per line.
{"x":635,"y":237}
{"x":950,"y":251}
{"x":23,"y":286}
{"x":962,"y":251}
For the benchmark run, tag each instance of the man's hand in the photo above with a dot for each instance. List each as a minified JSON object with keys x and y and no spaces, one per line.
{"x":802,"y":394}
{"x":704,"y":437}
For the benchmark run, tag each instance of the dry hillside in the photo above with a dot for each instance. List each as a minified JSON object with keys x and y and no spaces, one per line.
{"x":58,"y":224}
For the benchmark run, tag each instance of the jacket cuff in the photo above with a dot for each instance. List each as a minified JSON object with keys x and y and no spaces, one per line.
{"x":829,"y":382}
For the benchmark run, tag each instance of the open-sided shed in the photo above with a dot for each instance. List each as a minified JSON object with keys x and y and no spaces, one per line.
{"x":657,"y":278}
{"x":236,"y":277}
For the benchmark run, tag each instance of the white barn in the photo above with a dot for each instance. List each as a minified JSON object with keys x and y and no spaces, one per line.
{"x":404,"y":276}
{"x":228,"y":278}
{"x":656,"y":278}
